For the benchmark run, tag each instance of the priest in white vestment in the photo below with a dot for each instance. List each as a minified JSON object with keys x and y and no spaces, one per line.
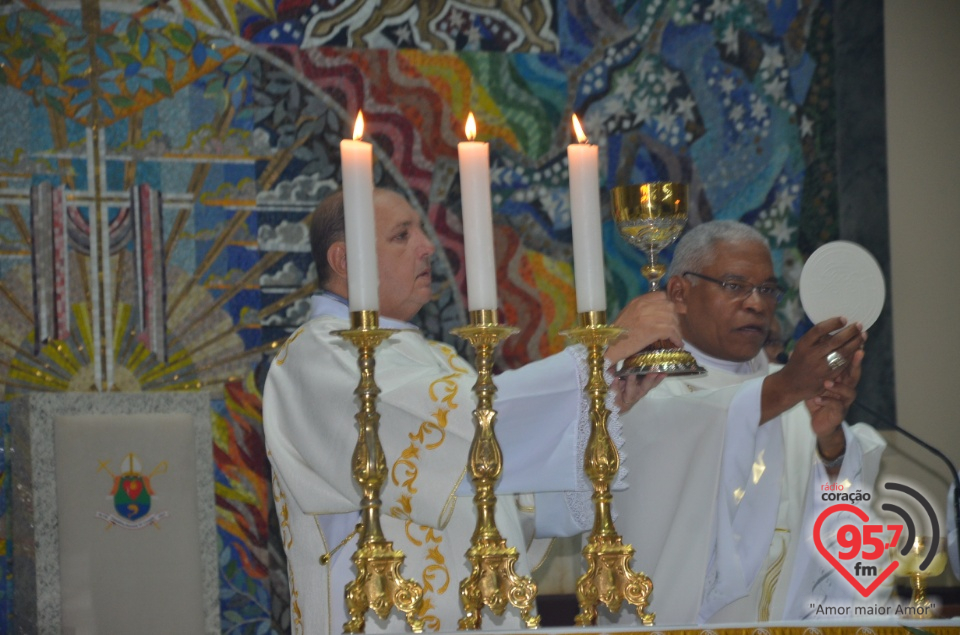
{"x":425,"y":406}
{"x":726,"y":470}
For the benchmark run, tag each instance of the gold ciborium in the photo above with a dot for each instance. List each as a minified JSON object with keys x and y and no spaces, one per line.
{"x":651,"y":216}
{"x":911,"y":565}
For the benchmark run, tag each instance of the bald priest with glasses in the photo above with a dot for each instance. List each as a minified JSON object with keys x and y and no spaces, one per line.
{"x":726,"y":469}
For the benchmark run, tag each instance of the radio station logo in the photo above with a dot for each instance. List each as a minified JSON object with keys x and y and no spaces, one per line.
{"x":867,"y":553}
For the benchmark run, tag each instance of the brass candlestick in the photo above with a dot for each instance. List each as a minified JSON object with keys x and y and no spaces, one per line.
{"x":492,"y":581}
{"x":609,"y":578}
{"x":378,"y":585}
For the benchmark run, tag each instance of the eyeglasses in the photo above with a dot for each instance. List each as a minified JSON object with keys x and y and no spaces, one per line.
{"x":738,"y":290}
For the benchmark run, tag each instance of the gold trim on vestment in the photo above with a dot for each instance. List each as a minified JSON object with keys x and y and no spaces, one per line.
{"x":282,"y":353}
{"x":447,"y":512}
{"x":546,"y":554}
{"x":328,"y":571}
{"x":404,"y":473}
{"x":286,"y":537}
{"x":529,"y":509}
{"x":771,"y":577}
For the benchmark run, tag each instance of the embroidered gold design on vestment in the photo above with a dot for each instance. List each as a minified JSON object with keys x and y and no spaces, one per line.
{"x":282,"y":355}
{"x":435,"y":577}
{"x":286,"y":536}
{"x":771,"y":577}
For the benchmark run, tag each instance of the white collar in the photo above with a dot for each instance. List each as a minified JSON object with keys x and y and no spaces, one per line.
{"x":335,"y":306}
{"x":750,"y":367}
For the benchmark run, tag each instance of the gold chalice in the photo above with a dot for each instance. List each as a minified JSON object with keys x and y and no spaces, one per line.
{"x":651,"y":216}
{"x":910,"y":566}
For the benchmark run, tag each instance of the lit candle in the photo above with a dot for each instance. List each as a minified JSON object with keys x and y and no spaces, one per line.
{"x":356,"y":159}
{"x":587,"y":233}
{"x":477,"y":220}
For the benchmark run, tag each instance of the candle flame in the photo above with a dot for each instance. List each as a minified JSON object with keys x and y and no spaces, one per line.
{"x":471,"y":127}
{"x":358,"y":127}
{"x":581,"y":137}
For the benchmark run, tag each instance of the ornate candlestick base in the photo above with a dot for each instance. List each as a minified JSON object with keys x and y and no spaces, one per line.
{"x":378,"y":585}
{"x":609,"y":578}
{"x":493,"y":581}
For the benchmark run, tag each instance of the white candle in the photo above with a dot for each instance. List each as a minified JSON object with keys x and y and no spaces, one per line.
{"x":363,"y":283}
{"x":587,"y":232}
{"x":477,"y":221}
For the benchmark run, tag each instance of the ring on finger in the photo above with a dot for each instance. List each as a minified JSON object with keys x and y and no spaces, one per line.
{"x":835,"y":360}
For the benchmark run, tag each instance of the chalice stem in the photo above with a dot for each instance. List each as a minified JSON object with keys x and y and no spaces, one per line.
{"x":653,"y":272}
{"x":654,"y":279}
{"x":919,"y":590}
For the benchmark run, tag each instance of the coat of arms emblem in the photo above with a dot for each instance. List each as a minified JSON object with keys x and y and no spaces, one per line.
{"x":132,"y":494}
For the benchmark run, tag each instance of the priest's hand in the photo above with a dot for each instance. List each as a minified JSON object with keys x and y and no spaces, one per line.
{"x":647,"y":318}
{"x":820,"y":356}
{"x":630,"y":389}
{"x":829,"y":409}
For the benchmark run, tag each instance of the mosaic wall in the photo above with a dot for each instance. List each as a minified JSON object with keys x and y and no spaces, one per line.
{"x":157,"y":163}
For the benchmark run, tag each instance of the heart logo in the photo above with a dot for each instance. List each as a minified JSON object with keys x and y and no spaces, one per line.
{"x":132,"y":488}
{"x":862,"y":515}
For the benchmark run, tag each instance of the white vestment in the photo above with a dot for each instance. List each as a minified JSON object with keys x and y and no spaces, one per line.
{"x":721,"y":509}
{"x":426,"y":427}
